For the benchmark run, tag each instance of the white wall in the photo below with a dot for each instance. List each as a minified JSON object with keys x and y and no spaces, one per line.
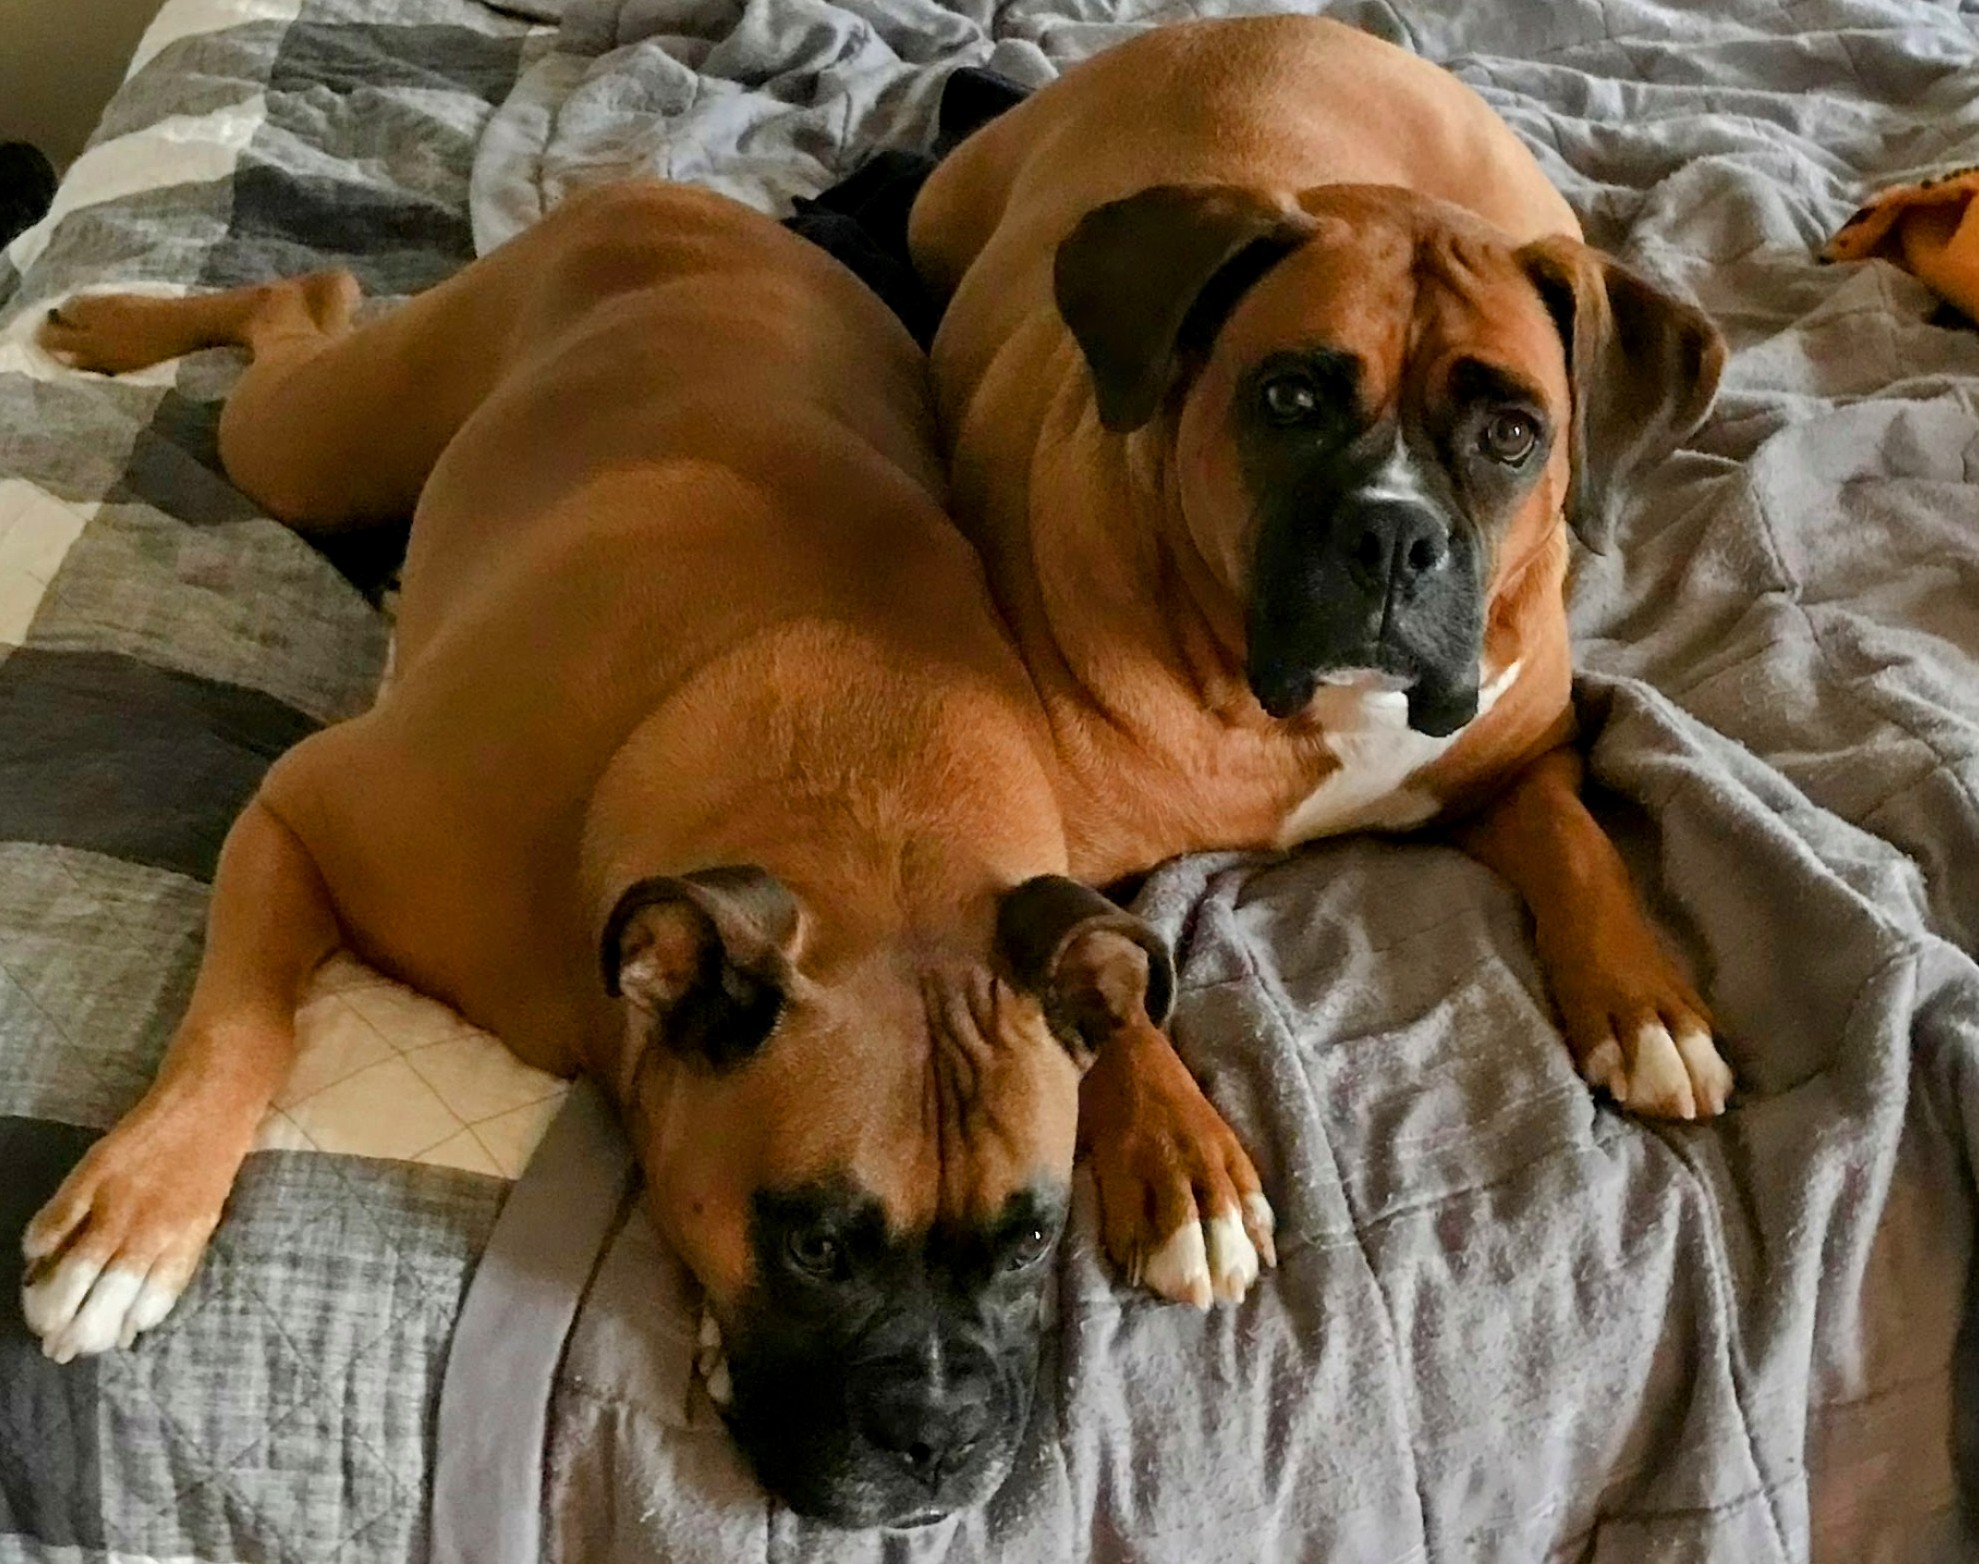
{"x":59,"y":62}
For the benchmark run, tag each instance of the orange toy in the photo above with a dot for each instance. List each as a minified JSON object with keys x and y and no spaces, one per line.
{"x":1930,"y":228}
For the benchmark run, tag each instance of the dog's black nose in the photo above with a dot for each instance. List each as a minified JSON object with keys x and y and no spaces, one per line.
{"x":1391,"y":545}
{"x":930,"y":1430}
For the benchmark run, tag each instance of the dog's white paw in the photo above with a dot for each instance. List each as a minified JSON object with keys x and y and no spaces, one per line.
{"x":1179,"y":1267}
{"x":1182,"y":1212}
{"x":1215,"y":1259}
{"x":111,"y":1252}
{"x":80,"y":1308}
{"x":1660,"y":1075}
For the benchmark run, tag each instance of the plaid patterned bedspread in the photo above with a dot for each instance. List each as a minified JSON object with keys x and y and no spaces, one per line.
{"x":1508,"y":1324}
{"x":160,"y":644}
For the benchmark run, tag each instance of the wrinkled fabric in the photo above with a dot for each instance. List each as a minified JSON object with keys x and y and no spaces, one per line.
{"x":1509,"y":1323}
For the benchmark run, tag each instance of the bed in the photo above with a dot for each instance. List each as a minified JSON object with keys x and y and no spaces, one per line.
{"x":1508,"y":1323}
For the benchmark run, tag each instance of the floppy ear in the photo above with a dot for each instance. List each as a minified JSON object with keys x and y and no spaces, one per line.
{"x":704,"y":959}
{"x":1095,"y":968}
{"x":1134,"y":282}
{"x":1644,"y":367}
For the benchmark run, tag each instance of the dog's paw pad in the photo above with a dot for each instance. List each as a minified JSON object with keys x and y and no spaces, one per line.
{"x":112,"y":1251}
{"x":104,"y":333}
{"x":1181,"y":1209}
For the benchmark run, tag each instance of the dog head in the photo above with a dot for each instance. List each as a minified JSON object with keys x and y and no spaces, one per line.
{"x":1379,"y":409}
{"x":862,"y":1147}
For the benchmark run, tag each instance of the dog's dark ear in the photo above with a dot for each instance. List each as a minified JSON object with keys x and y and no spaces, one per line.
{"x":1141,"y":277}
{"x":704,"y":958}
{"x":1095,"y":968}
{"x":1644,"y":367}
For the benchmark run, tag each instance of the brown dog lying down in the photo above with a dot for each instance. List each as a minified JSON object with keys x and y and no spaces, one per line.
{"x":1274,"y":373}
{"x":693,"y":671}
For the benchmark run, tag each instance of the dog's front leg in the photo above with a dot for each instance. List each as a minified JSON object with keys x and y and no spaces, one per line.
{"x":1636,"y":1027}
{"x":1182,"y":1211}
{"x":109,"y":1255}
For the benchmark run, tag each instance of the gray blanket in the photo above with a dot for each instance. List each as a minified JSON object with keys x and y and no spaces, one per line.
{"x":1509,"y":1323}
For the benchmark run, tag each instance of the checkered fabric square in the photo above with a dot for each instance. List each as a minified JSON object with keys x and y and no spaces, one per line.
{"x":161,"y":642}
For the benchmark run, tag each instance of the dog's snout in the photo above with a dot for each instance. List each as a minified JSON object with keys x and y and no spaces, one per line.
{"x":1393,"y":545}
{"x":928,"y":1428}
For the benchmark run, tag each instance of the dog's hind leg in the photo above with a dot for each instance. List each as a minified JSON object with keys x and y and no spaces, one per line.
{"x":114,"y":1248}
{"x":330,"y":427}
{"x":115,"y":333}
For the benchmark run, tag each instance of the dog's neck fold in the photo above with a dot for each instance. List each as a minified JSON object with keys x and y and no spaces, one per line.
{"x":1129,"y":584}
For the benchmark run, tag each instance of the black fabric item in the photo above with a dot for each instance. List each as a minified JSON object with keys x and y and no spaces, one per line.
{"x":27,"y":185}
{"x":862,"y":223}
{"x":369,"y":558}
{"x":50,"y":1468}
{"x":155,"y":764}
{"x":862,"y":220}
{"x":970,"y":99}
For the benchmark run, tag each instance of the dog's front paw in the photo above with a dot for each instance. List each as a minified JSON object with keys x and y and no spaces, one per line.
{"x":1182,"y":1212}
{"x":1663,"y":1070}
{"x":1641,"y":1035}
{"x":109,"y":1255}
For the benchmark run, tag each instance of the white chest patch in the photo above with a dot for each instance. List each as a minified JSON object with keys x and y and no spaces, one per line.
{"x":1367,"y":728}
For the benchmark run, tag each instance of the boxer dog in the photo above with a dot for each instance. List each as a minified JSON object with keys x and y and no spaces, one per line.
{"x":708,"y":770}
{"x":1275,"y":375}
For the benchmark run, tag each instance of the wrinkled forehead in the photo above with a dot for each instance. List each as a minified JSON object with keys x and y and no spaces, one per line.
{"x":940,"y":1100}
{"x":1406,"y":291}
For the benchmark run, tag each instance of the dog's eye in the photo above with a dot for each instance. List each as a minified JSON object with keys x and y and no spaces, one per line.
{"x":814,"y":1253}
{"x":1030,"y":1247}
{"x":1509,"y":436}
{"x":1289,"y":399}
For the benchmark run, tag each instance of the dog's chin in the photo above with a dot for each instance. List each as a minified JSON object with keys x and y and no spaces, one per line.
{"x":1439,"y":704}
{"x":1439,"y":708}
{"x":865,"y":1503}
{"x":807,"y":1457}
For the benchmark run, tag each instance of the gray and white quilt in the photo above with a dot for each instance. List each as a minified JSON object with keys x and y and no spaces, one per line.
{"x":160,"y":644}
{"x":1509,"y":1324}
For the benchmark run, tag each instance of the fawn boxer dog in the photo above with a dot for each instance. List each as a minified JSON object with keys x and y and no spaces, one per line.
{"x":1274,"y":375}
{"x":707,"y":769}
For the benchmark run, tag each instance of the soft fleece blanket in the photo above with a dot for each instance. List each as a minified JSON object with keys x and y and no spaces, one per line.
{"x":1509,"y":1323}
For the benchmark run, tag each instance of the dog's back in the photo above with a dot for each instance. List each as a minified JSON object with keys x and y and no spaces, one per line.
{"x":650,"y":330}
{"x":1279,"y":103}
{"x":698,"y":494}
